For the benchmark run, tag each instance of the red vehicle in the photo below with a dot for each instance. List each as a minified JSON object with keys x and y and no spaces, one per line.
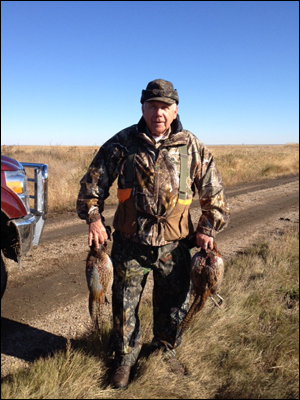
{"x":21,"y":226}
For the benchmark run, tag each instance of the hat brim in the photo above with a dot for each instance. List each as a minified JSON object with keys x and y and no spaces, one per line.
{"x":162,"y":99}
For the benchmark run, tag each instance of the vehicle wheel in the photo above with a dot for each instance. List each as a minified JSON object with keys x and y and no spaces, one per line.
{"x":3,"y":275}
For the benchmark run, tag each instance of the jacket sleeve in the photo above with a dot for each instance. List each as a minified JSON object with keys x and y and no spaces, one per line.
{"x":95,"y":184}
{"x":215,"y":208}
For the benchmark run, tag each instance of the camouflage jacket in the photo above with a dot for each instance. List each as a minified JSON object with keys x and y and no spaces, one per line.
{"x":149,"y":211}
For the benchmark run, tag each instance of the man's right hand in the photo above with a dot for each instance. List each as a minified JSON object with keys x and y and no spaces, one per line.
{"x":97,"y":233}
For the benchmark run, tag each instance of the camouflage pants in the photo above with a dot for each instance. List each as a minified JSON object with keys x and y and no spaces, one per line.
{"x":132,"y":263}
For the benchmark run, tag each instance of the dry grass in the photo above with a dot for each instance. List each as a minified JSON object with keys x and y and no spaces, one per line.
{"x":237,"y":164}
{"x":248,"y":349}
{"x":241,"y":164}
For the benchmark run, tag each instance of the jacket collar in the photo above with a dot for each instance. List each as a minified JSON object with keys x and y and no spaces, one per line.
{"x":176,"y":137}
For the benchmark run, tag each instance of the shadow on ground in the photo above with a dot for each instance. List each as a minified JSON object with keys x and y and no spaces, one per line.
{"x":28,"y":343}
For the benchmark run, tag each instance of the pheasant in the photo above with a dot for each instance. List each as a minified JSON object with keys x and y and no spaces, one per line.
{"x":99,"y":275}
{"x":207,"y":271}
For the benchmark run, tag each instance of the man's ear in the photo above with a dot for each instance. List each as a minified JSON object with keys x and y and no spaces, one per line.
{"x":176,"y":111}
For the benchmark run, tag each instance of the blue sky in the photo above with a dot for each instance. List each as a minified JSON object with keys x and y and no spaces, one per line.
{"x":72,"y":72}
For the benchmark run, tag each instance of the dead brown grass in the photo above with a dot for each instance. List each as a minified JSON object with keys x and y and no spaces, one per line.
{"x":241,"y":164}
{"x":237,"y":164}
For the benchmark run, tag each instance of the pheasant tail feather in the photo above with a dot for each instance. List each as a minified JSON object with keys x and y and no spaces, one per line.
{"x":95,"y":313}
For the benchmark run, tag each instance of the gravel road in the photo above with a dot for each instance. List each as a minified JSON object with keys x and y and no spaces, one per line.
{"x":45,"y":303}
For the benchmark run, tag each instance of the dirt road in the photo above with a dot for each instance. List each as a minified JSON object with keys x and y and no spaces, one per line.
{"x":46,"y":302}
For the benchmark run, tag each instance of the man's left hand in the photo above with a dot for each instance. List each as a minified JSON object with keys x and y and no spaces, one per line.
{"x":204,"y":241}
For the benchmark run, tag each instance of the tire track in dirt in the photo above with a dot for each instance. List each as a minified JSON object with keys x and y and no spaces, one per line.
{"x":78,"y":227}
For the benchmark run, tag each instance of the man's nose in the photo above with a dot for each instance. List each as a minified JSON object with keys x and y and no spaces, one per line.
{"x":159,"y":111}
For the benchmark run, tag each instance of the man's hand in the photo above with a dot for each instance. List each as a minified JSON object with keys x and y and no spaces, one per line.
{"x":97,"y":233}
{"x":204,"y":241}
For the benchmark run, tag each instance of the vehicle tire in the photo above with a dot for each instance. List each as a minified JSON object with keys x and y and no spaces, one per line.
{"x":3,"y":275}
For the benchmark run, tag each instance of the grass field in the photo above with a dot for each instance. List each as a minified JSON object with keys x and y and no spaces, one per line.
{"x":247,"y":349}
{"x":237,"y":164}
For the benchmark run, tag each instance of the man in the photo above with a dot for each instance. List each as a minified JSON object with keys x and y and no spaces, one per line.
{"x":159,"y":167}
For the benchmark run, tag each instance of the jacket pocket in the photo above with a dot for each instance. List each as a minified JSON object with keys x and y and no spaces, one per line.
{"x":125,"y":216}
{"x":178,"y":224}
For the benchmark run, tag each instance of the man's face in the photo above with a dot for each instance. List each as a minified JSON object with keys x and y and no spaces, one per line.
{"x":159,"y":116}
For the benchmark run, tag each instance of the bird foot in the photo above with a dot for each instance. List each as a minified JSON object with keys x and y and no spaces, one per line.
{"x":219,"y":302}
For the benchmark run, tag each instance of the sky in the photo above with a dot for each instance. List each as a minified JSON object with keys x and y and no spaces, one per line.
{"x":72,"y":72}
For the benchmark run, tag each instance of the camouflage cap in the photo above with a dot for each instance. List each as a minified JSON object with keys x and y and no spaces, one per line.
{"x":160,"y":90}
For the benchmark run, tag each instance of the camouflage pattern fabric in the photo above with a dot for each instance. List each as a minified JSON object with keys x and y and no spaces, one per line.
{"x":156,"y":183}
{"x":132,"y":263}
